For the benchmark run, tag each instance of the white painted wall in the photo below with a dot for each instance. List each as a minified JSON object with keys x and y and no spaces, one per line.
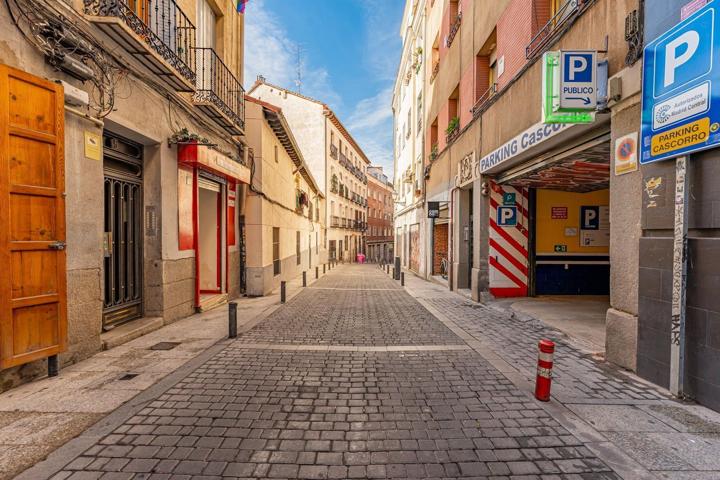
{"x":308,"y":126}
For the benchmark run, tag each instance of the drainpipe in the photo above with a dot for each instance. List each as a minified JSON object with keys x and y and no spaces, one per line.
{"x":451,"y":238}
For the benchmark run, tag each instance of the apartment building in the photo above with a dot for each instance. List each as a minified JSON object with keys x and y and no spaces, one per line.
{"x":379,"y":234}
{"x":124,"y":133}
{"x":411,"y":227}
{"x":335,"y":160}
{"x":282,"y":219}
{"x":520,"y":192}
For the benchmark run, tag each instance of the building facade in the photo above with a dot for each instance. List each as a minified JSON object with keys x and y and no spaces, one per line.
{"x":412,"y":229}
{"x":379,"y":233}
{"x":125,"y":139}
{"x":281,"y":216}
{"x":335,"y":160}
{"x":537,"y":208}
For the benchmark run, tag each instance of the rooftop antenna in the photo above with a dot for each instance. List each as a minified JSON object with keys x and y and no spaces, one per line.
{"x":298,"y":68}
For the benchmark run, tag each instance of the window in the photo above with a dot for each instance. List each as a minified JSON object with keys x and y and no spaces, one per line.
{"x":346,"y":243}
{"x":297,"y":247}
{"x":317,"y":242}
{"x":276,"y":251}
{"x":276,"y":154}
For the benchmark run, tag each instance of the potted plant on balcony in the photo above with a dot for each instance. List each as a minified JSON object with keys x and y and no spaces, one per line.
{"x":434,"y":152}
{"x":452,"y":128}
{"x":301,"y":200}
{"x":185,"y":137}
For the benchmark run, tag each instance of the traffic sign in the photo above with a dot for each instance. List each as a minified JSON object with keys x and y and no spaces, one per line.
{"x":506,"y":216}
{"x":551,"y":81}
{"x":578,"y":81}
{"x":590,"y":218}
{"x":681,"y":88}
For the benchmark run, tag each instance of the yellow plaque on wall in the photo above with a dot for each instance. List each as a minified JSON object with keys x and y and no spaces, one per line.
{"x":93,"y":145}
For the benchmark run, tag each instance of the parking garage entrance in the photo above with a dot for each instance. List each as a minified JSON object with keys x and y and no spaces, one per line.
{"x":549,"y":236}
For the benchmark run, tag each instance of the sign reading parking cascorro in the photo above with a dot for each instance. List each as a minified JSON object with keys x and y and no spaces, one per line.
{"x":681,"y":88}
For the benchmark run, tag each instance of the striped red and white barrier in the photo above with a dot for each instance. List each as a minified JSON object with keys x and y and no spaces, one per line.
{"x":508,"y":252}
{"x":543,"y":381}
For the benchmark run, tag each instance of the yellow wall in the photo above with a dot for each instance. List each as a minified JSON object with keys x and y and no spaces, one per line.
{"x":551,"y":232}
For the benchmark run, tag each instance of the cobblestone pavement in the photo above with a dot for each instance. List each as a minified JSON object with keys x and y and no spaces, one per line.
{"x":342,"y":382}
{"x":576,"y":374}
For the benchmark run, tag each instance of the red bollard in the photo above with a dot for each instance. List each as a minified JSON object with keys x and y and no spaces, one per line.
{"x":546,"y":350}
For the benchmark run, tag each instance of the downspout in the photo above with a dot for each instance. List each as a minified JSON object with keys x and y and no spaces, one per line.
{"x":451,"y":239}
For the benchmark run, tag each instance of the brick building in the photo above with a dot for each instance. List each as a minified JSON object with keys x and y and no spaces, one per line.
{"x":488,"y":151}
{"x":378,"y":236}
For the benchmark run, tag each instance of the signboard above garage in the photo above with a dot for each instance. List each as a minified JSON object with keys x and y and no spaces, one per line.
{"x":681,"y":88}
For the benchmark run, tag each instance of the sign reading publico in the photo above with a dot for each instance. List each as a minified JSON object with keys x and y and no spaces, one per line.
{"x":578,"y":80}
{"x":681,"y":89}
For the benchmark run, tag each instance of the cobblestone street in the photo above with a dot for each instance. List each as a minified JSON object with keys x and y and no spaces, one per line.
{"x":355,"y":378}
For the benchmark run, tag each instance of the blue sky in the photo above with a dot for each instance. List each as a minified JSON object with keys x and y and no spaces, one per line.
{"x":350,"y":52}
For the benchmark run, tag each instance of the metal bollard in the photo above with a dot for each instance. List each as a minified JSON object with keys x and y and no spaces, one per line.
{"x":282,"y":291}
{"x":402,"y":279}
{"x":317,"y":273}
{"x":232,"y":320}
{"x":53,"y":367}
{"x":323,"y":269}
{"x":546,"y":351}
{"x":396,"y":275}
{"x":393,"y":273}
{"x":304,"y":278}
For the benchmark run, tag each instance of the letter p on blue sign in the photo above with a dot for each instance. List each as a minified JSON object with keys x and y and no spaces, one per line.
{"x":506,"y":216}
{"x":684,"y":55}
{"x":578,"y":67}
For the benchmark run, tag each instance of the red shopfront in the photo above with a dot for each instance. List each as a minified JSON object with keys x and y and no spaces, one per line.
{"x":207,"y":192}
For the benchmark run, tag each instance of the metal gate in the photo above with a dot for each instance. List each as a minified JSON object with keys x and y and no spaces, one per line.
{"x":123,"y":241}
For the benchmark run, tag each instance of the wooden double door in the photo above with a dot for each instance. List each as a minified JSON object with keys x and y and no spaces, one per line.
{"x":33,"y":319}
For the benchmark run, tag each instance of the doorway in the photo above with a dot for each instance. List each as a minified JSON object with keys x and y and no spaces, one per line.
{"x":123,"y":237}
{"x":210,"y":236}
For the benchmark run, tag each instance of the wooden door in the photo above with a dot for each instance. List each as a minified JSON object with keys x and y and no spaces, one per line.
{"x":33,"y":319}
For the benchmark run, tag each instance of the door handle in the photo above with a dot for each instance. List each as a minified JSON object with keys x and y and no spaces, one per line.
{"x":57,"y":246}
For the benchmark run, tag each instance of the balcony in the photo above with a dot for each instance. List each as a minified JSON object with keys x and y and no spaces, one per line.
{"x":435,"y":70}
{"x":219,"y":94}
{"x":454,"y":28}
{"x":335,"y":221}
{"x":156,"y":33}
{"x":479,"y":106}
{"x":546,"y":34}
{"x":333,"y":152}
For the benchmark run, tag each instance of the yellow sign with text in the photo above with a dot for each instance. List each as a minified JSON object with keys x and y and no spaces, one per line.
{"x":681,"y":137}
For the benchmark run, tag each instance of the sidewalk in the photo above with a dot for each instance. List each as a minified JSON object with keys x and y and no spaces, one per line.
{"x":630,"y":424}
{"x":38,"y":417}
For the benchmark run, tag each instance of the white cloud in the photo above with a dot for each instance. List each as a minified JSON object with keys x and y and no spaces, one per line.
{"x":371,"y":125}
{"x":382,"y":31}
{"x":270,"y":52}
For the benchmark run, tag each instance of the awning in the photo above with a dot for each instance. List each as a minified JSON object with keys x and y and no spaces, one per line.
{"x":202,"y":156}
{"x":581,"y":166}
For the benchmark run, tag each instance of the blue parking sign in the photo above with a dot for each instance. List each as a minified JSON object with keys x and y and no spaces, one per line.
{"x":506,"y":216}
{"x":681,"y":89}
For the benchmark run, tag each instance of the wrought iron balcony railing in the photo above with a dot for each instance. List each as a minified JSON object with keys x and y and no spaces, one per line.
{"x":453,"y":30}
{"x":547,"y":32}
{"x":333,"y":152}
{"x":156,"y":25}
{"x":435,"y":70}
{"x":478,"y":108}
{"x":219,"y":93}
